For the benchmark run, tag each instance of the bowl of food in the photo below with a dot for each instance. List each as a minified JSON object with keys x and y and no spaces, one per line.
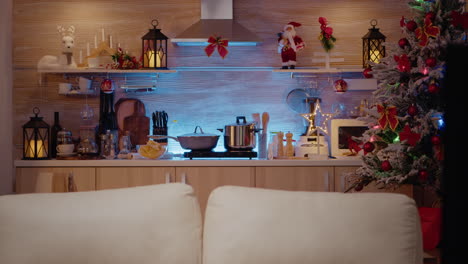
{"x":152,"y":150}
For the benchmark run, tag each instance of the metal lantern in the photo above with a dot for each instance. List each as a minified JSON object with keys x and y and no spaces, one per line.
{"x":372,"y":45}
{"x":36,"y":138}
{"x":154,"y":48}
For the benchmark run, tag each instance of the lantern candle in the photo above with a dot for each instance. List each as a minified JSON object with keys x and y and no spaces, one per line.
{"x":32,"y":149}
{"x":149,"y":59}
{"x":375,"y":56}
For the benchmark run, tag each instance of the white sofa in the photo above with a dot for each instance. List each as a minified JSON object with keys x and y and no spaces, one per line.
{"x":162,"y":224}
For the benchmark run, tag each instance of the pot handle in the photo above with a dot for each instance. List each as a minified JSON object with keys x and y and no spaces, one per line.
{"x":239,"y":118}
{"x":162,"y":137}
{"x":201,"y":130}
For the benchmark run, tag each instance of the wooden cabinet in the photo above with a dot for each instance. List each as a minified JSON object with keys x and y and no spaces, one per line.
{"x":344,"y":177}
{"x":31,"y":180}
{"x":206,"y":179}
{"x":121,"y":177}
{"x":295,"y":178}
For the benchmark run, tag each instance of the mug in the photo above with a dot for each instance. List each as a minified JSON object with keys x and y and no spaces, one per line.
{"x":65,"y":148}
{"x":64,"y":88}
{"x":85,"y":84}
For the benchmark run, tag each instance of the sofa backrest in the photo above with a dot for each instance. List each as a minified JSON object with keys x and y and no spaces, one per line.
{"x":259,"y":226}
{"x":149,"y":224}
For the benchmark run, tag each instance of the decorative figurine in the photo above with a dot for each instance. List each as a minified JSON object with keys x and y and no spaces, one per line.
{"x":65,"y":60}
{"x":288,"y":44}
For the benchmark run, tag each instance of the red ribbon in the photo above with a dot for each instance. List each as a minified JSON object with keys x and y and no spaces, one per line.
{"x":428,"y":30}
{"x":219,"y":43}
{"x":387,"y":116}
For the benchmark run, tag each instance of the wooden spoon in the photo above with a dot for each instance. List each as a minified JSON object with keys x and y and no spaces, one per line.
{"x":265,"y":120}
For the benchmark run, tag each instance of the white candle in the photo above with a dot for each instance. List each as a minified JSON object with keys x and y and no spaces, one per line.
{"x":87,"y":49}
{"x":110,"y":42}
{"x":95,"y":41}
{"x":103,"y":35}
{"x":81,"y":56}
{"x":32,"y":150}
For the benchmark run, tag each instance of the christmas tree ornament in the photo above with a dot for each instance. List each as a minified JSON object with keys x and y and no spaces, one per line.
{"x":368,"y":147}
{"x":430,"y":15}
{"x":433,"y":88}
{"x":340,"y":85}
{"x":427,"y":30}
{"x":404,"y":64}
{"x":407,"y":136}
{"x":217,"y":43}
{"x":412,"y":110}
{"x":387,"y":116}
{"x":411,"y":25}
{"x":385,"y":165}
{"x":367,"y":73}
{"x":423,"y":175}
{"x":359,"y":187}
{"x":403,"y":42}
{"x":289,"y":43}
{"x":431,"y":62}
{"x":435,"y":140}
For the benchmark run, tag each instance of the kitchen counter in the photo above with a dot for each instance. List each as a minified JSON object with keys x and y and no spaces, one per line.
{"x":184,"y":162}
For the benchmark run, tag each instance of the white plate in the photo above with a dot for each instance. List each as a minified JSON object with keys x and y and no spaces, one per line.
{"x":66,"y":154}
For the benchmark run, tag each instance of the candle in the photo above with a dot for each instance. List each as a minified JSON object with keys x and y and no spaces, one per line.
{"x":32,"y":149}
{"x":149,"y":59}
{"x":103,"y":35}
{"x":95,"y":41}
{"x":81,"y":56}
{"x":87,"y":49}
{"x":110,"y":41}
{"x":375,"y":56}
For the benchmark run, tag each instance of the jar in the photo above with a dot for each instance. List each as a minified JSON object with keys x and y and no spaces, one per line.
{"x":64,"y":137}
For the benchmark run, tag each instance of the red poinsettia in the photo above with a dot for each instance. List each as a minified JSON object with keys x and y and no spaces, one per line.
{"x":408,"y":136}
{"x":459,"y":19}
{"x":404,"y":64}
{"x":427,"y":30}
{"x":326,"y":34}
{"x":219,"y":43}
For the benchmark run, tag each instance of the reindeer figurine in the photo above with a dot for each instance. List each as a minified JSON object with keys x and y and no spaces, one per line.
{"x":65,"y":60}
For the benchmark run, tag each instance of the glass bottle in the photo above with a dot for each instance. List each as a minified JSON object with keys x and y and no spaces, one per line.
{"x":53,"y":134}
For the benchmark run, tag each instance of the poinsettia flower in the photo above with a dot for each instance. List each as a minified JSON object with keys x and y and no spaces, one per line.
{"x":404,"y":64}
{"x":328,"y":31}
{"x":322,"y":20}
{"x":427,"y":30}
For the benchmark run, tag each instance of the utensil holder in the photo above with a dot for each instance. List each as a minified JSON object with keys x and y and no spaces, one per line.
{"x":262,"y":146}
{"x":160,"y":131}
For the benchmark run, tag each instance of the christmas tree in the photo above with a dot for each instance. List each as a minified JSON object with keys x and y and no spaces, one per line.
{"x":404,"y":143}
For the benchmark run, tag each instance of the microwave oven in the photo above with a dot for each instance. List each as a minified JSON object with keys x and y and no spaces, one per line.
{"x":341,"y":131}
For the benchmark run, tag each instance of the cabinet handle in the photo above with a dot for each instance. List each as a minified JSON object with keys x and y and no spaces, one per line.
{"x":183,"y":177}
{"x":168,"y":177}
{"x":326,"y":181}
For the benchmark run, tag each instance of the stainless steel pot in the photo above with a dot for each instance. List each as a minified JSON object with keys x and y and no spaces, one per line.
{"x":240,"y":136}
{"x":194,"y":141}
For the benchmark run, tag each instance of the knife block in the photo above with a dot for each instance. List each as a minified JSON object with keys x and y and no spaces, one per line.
{"x":162,"y":131}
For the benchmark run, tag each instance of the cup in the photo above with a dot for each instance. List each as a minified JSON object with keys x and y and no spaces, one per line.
{"x":64,"y":88}
{"x":65,"y":148}
{"x":85,"y":84}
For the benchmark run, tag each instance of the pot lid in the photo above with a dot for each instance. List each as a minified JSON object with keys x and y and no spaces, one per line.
{"x":199,"y":134}
{"x":241,"y":121}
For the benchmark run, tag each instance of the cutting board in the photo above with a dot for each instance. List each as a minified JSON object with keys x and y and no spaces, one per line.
{"x":138,"y":124}
{"x":126,"y":107}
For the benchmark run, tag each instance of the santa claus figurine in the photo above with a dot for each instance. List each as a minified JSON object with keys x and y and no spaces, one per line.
{"x":288,"y":44}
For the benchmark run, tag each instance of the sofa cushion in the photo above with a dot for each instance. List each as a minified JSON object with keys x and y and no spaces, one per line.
{"x":149,"y":224}
{"x":259,"y":226}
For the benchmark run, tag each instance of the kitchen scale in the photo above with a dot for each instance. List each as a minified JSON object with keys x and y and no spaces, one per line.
{"x":221,"y":154}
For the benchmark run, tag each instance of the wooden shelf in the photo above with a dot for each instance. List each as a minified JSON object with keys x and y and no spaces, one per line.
{"x":320,"y":70}
{"x":88,"y":70}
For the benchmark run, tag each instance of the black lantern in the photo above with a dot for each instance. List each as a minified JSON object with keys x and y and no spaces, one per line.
{"x":36,"y":138}
{"x":154,"y":48}
{"x":372,"y":45}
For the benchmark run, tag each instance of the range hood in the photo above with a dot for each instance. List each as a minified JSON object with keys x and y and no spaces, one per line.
{"x":216,"y":18}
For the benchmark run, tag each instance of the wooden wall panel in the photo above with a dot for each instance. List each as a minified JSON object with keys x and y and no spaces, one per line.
{"x":209,"y":99}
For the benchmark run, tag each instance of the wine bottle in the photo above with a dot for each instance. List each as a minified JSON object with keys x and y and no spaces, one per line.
{"x":53,"y":135}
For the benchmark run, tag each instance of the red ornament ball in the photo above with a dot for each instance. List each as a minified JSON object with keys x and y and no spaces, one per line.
{"x":412,"y":110}
{"x":431,"y":62}
{"x":359,"y":187}
{"x":423,"y":175}
{"x":403,"y":42}
{"x":385,"y":165}
{"x":430,"y":15}
{"x":341,"y":86}
{"x":411,"y":25}
{"x":433,"y":88}
{"x":435,"y":140}
{"x":367,"y":73}
{"x":368,"y":147}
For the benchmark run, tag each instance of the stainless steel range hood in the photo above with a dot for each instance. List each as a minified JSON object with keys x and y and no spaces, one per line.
{"x":216,"y":18}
